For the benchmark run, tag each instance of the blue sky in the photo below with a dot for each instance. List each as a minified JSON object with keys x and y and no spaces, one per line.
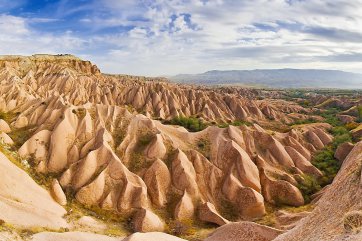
{"x":166,"y":37}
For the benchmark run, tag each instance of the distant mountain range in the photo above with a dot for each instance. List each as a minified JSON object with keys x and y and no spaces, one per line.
{"x":276,"y":78}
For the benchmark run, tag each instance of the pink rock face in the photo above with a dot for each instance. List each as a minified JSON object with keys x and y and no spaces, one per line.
{"x":337,"y":201}
{"x":57,"y":193}
{"x":185,"y":208}
{"x":244,"y":231}
{"x":183,"y":174}
{"x":208,"y":213}
{"x":280,"y":191}
{"x":158,"y":181}
{"x":4,"y":127}
{"x":146,"y":221}
{"x":343,"y":150}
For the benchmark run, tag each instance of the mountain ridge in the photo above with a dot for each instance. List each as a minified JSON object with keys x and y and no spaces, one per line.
{"x":275,"y":78}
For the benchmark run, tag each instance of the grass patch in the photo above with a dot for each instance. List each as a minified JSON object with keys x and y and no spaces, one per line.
{"x":26,"y":233}
{"x":118,"y":224}
{"x":235,"y":123}
{"x":120,"y":132}
{"x":28,"y":165}
{"x":204,"y":147}
{"x":310,"y":120}
{"x":138,"y":160}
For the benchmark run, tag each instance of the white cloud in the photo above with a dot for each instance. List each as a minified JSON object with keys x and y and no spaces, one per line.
{"x":188,"y":36}
{"x":16,"y":37}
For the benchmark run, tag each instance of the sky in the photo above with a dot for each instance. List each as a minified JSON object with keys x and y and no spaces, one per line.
{"x":168,"y":37}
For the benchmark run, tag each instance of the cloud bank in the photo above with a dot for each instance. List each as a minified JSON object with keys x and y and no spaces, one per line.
{"x":166,"y":37}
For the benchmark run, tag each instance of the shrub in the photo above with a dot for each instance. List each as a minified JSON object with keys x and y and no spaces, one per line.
{"x":203,"y":145}
{"x":235,"y":123}
{"x":308,"y":186}
{"x":324,"y":160}
{"x":302,"y":122}
{"x":359,"y":113}
{"x":21,"y":135}
{"x":191,"y":123}
{"x":352,"y":221}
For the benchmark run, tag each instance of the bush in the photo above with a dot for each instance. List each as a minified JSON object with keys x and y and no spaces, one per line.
{"x":203,"y":145}
{"x":191,"y":123}
{"x":330,"y":116}
{"x":308,"y":186}
{"x":324,"y":160}
{"x":302,"y":122}
{"x":235,"y":123}
{"x":359,"y":113}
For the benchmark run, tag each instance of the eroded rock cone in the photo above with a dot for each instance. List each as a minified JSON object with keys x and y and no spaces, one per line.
{"x":208,"y":213}
{"x":146,"y":221}
{"x":57,"y":193}
{"x":343,"y":150}
{"x":4,"y":127}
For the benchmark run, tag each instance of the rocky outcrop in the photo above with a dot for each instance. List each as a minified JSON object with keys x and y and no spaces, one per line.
{"x":343,"y":150}
{"x":158,"y":180}
{"x":326,"y":220}
{"x":24,"y":203}
{"x":57,"y":193}
{"x":244,"y":231}
{"x":185,"y":208}
{"x":152,"y":236}
{"x":286,"y":220}
{"x":208,"y":213}
{"x":72,"y":236}
{"x":146,"y":221}
{"x":280,"y":191}
{"x":4,"y":127}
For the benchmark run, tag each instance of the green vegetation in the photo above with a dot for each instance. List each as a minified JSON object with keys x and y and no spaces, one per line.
{"x":203,"y":146}
{"x":21,"y":135}
{"x":191,"y":123}
{"x":138,"y":160}
{"x":308,"y":187}
{"x":8,"y":116}
{"x":310,"y":120}
{"x":235,"y":123}
{"x":28,"y":166}
{"x":117,"y":223}
{"x":359,"y":113}
{"x":324,"y":160}
{"x":26,"y":233}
